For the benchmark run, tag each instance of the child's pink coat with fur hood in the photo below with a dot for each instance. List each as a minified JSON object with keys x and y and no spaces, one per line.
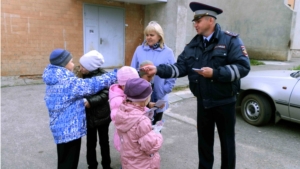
{"x":116,"y":97}
{"x":139,"y":143}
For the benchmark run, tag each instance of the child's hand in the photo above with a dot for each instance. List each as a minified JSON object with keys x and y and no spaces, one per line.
{"x":87,"y":104}
{"x":148,"y":78}
{"x":151,"y":105}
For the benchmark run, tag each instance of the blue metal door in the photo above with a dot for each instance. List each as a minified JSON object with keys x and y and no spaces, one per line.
{"x":91,"y":30}
{"x":104,"y":31}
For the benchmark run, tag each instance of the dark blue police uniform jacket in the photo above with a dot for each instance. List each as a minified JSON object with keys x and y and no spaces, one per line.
{"x":225,"y":54}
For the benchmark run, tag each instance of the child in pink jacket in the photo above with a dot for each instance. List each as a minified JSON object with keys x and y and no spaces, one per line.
{"x":116,"y":95}
{"x":139,"y":143}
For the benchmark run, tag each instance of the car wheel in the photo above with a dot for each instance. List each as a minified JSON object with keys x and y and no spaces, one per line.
{"x":256,"y":109}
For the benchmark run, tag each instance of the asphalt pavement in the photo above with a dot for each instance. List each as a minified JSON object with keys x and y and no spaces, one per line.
{"x":27,"y":143}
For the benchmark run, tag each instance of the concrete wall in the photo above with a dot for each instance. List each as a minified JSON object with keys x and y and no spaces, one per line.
{"x":30,"y":31}
{"x":295,"y":32}
{"x":264,"y":26}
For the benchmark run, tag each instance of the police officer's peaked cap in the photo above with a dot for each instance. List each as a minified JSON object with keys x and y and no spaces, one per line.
{"x":201,"y":10}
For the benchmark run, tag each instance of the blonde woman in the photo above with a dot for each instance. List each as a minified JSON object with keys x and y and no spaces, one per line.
{"x":154,"y":49}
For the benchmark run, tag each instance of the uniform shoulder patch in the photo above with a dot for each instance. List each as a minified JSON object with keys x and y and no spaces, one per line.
{"x":244,"y":51}
{"x":231,"y":33}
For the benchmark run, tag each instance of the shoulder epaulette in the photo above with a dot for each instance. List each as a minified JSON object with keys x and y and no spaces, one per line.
{"x":231,"y":33}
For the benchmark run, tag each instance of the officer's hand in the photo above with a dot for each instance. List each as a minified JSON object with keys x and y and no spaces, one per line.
{"x":149,"y":69}
{"x":206,"y":72}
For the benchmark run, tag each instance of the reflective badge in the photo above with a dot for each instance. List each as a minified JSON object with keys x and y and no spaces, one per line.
{"x":220,"y":47}
{"x":244,"y":50}
{"x":231,"y":34}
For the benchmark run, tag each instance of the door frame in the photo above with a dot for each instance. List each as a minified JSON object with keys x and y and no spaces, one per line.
{"x":124,"y":28}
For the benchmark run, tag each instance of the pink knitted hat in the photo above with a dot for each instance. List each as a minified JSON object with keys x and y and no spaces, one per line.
{"x":126,"y":73}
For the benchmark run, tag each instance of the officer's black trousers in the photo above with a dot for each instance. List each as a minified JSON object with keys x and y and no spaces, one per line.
{"x":224,"y":118}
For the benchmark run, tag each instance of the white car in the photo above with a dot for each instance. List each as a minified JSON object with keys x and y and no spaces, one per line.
{"x":272,"y":94}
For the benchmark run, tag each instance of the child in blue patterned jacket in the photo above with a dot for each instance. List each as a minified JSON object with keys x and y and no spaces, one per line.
{"x":65,"y":103}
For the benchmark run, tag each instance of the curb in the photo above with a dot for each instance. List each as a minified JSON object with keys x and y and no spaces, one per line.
{"x":175,"y":97}
{"x":178,"y":117}
{"x":11,"y":81}
{"x":17,"y":81}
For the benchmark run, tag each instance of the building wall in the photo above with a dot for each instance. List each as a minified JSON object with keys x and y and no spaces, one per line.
{"x":295,"y":32}
{"x":31,"y":29}
{"x":264,"y":26}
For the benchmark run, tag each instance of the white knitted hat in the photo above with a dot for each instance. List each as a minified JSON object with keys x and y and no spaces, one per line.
{"x":92,"y":60}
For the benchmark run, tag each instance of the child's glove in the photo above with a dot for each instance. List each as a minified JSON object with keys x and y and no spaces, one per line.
{"x":150,"y":113}
{"x":158,"y":126}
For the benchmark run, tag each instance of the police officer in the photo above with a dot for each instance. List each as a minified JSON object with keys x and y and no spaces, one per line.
{"x":214,"y":61}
